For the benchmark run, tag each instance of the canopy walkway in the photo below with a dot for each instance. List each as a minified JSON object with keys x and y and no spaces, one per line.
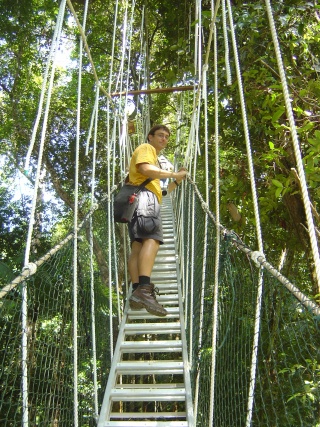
{"x":145,"y":379}
{"x":150,"y":363}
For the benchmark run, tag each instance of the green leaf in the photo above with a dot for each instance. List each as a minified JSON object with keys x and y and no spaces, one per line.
{"x":306,"y":127}
{"x":271,"y":145}
{"x":276,"y":116}
{"x":277,"y":183}
{"x":278,"y":192}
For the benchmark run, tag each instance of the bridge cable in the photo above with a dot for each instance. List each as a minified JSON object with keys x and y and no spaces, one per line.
{"x":296,"y":145}
{"x":257,"y":219}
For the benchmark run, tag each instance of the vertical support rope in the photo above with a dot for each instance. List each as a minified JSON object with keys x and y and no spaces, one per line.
{"x":24,"y":306}
{"x":75,"y":240}
{"x":92,"y":287}
{"x":42,"y":140}
{"x":110,"y":245}
{"x":124,"y":49}
{"x":113,"y":44}
{"x":254,"y":356}
{"x":226,"y":44}
{"x":255,"y":344}
{"x":296,"y":145}
{"x":205,"y":239}
{"x":217,"y":254}
{"x":199,"y":28}
{"x":192,"y":207}
{"x":246,"y":131}
{"x":51,"y":58}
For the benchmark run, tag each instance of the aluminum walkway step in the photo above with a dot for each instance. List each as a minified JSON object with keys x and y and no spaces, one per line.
{"x":149,"y":379}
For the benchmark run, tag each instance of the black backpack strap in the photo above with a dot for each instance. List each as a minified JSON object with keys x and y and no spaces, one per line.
{"x":141,"y":186}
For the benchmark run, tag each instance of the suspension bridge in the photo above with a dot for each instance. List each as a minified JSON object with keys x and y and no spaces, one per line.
{"x":240,"y":343}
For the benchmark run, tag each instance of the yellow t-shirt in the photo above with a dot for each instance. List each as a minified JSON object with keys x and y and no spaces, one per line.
{"x":145,"y":153}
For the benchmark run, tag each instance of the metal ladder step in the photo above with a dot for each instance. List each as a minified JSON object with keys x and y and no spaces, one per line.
{"x":173,"y":313}
{"x":148,"y":394}
{"x":152,"y":328}
{"x":165,"y":259}
{"x":166,"y":268}
{"x":150,"y":367}
{"x":151,"y":346}
{"x":137,"y":415}
{"x":154,"y":385}
{"x":128,"y":423}
{"x":164,"y":276}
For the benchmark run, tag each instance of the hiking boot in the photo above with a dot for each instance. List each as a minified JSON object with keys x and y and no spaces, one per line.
{"x":144,"y":297}
{"x":137,"y":305}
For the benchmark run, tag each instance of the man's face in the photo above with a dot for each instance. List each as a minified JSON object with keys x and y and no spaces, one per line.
{"x":159,"y":140}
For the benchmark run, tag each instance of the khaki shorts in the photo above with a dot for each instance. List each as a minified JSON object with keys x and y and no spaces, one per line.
{"x":146,"y":222}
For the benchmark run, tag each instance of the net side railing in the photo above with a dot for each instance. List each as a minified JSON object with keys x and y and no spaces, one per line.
{"x":50,"y":337}
{"x":286,"y":392}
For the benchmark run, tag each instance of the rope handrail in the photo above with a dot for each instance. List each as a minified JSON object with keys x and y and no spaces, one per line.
{"x":296,"y":146}
{"x":155,"y":90}
{"x":30,"y":269}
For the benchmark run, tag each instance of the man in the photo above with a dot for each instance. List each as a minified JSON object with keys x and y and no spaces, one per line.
{"x":145,"y":229}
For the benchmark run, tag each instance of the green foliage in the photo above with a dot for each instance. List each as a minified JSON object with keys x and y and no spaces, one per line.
{"x":166,"y":59}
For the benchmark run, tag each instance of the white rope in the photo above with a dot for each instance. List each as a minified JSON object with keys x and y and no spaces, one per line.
{"x":197,"y":94}
{"x":191,"y":287}
{"x":51,"y":59}
{"x":110,"y":262}
{"x":93,"y":116}
{"x":205,"y":239}
{"x":92,"y":281}
{"x":217,"y":254}
{"x":301,"y":297}
{"x":114,"y":248}
{"x":246,"y":131}
{"x":85,"y":43}
{"x":75,"y":240}
{"x":255,"y":255}
{"x":254,"y":356}
{"x":226,"y":43}
{"x":113,"y":44}
{"x":296,"y":146}
{"x":188,"y":271}
{"x":129,"y":55}
{"x":24,"y":306}
{"x":109,"y":226}
{"x":199,"y":32}
{"x":192,"y":255}
{"x":118,"y":86}
{"x":194,"y":166}
{"x":29,"y":269}
{"x":257,"y":220}
{"x":42,"y":141}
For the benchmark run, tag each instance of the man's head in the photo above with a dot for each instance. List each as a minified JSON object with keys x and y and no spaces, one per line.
{"x":158,"y":137}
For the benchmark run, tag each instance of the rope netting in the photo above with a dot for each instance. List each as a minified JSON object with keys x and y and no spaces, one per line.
{"x":287,"y":378}
{"x":253,"y":336}
{"x":50,"y":332}
{"x":286,"y":392}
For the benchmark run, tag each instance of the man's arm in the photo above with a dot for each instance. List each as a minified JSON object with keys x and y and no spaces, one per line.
{"x":154,"y":172}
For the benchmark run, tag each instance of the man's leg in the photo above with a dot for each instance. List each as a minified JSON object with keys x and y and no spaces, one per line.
{"x":144,"y":295}
{"x":147,"y":256}
{"x":133,"y":261}
{"x":142,"y":258}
